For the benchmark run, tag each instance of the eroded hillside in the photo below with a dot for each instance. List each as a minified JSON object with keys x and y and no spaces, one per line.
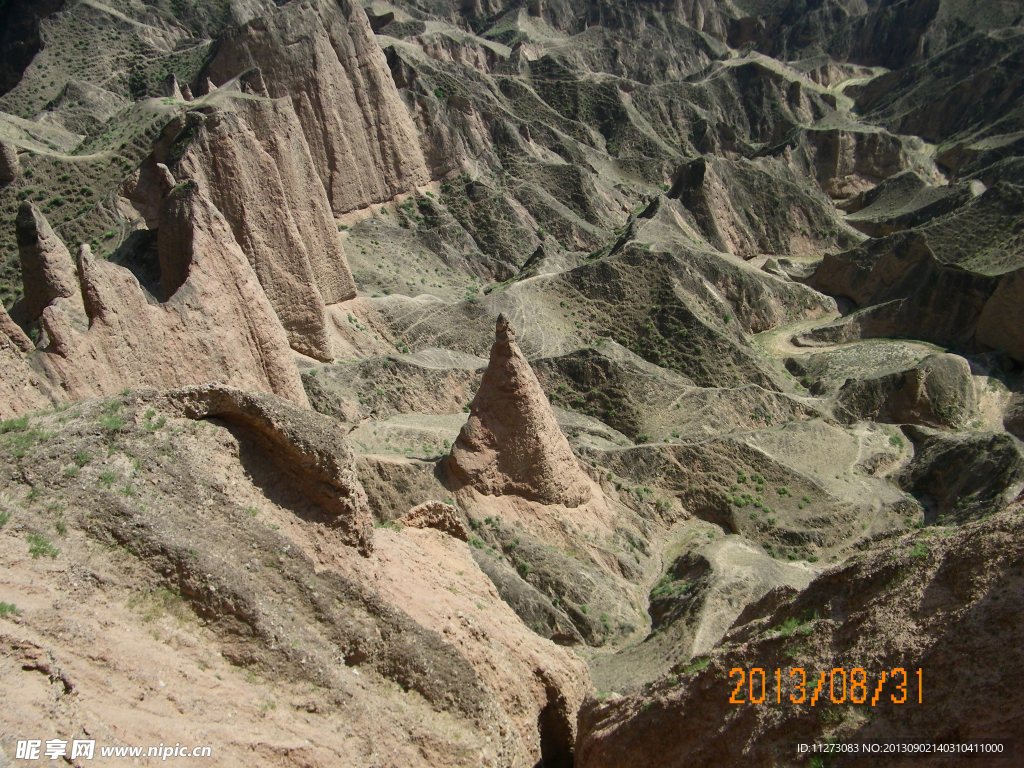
{"x":480,"y":383}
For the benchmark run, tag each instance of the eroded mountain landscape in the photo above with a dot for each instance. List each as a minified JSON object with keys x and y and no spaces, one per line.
{"x":424,"y":383}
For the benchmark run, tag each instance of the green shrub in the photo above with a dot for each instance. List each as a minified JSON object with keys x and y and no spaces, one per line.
{"x":920,"y":550}
{"x":14,"y":425}
{"x":39,"y":545}
{"x":667,"y":586}
{"x":111,"y":421}
{"x":697,"y":666}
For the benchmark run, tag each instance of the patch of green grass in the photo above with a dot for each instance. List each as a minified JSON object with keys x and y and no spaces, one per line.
{"x":149,"y":424}
{"x":669,"y":587}
{"x":156,"y":603}
{"x":800,"y":626}
{"x":19,"y":438}
{"x":14,"y":425}
{"x":831,"y":716}
{"x":111,"y":421}
{"x":4,"y":517}
{"x":39,"y":545}
{"x":9,"y":609}
{"x":82,"y":458}
{"x":696,"y":666}
{"x":920,"y":550}
{"x":107,"y":478}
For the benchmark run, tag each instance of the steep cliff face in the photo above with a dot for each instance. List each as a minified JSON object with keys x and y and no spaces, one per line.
{"x":934,"y":283}
{"x":653,"y":468}
{"x":48,"y":270}
{"x":216,"y":326}
{"x":21,"y":389}
{"x":252,"y":159}
{"x":323,"y":56}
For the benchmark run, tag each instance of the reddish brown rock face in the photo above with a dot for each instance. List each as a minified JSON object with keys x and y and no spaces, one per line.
{"x":323,"y":57}
{"x":512,"y":443}
{"x":101,"y":333}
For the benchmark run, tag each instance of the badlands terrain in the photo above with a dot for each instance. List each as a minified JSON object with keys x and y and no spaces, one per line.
{"x":424,"y":383}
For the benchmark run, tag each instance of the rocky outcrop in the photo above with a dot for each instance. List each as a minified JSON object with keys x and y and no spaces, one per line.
{"x":1013,"y":417}
{"x":253,"y":162}
{"x":216,"y":325}
{"x":903,"y":202}
{"x":938,"y":392}
{"x":850,"y":159}
{"x":933,"y":283}
{"x":47,"y":269}
{"x":305,"y":445}
{"x":436,"y":514}
{"x":323,"y":56}
{"x":20,"y":387}
{"x":961,"y":477}
{"x":512,"y":443}
{"x":10,"y":169}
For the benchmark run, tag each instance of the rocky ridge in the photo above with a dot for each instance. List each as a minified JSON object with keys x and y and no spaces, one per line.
{"x":763,"y":393}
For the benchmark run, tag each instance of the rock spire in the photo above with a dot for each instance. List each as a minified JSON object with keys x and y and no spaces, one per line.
{"x":512,"y":443}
